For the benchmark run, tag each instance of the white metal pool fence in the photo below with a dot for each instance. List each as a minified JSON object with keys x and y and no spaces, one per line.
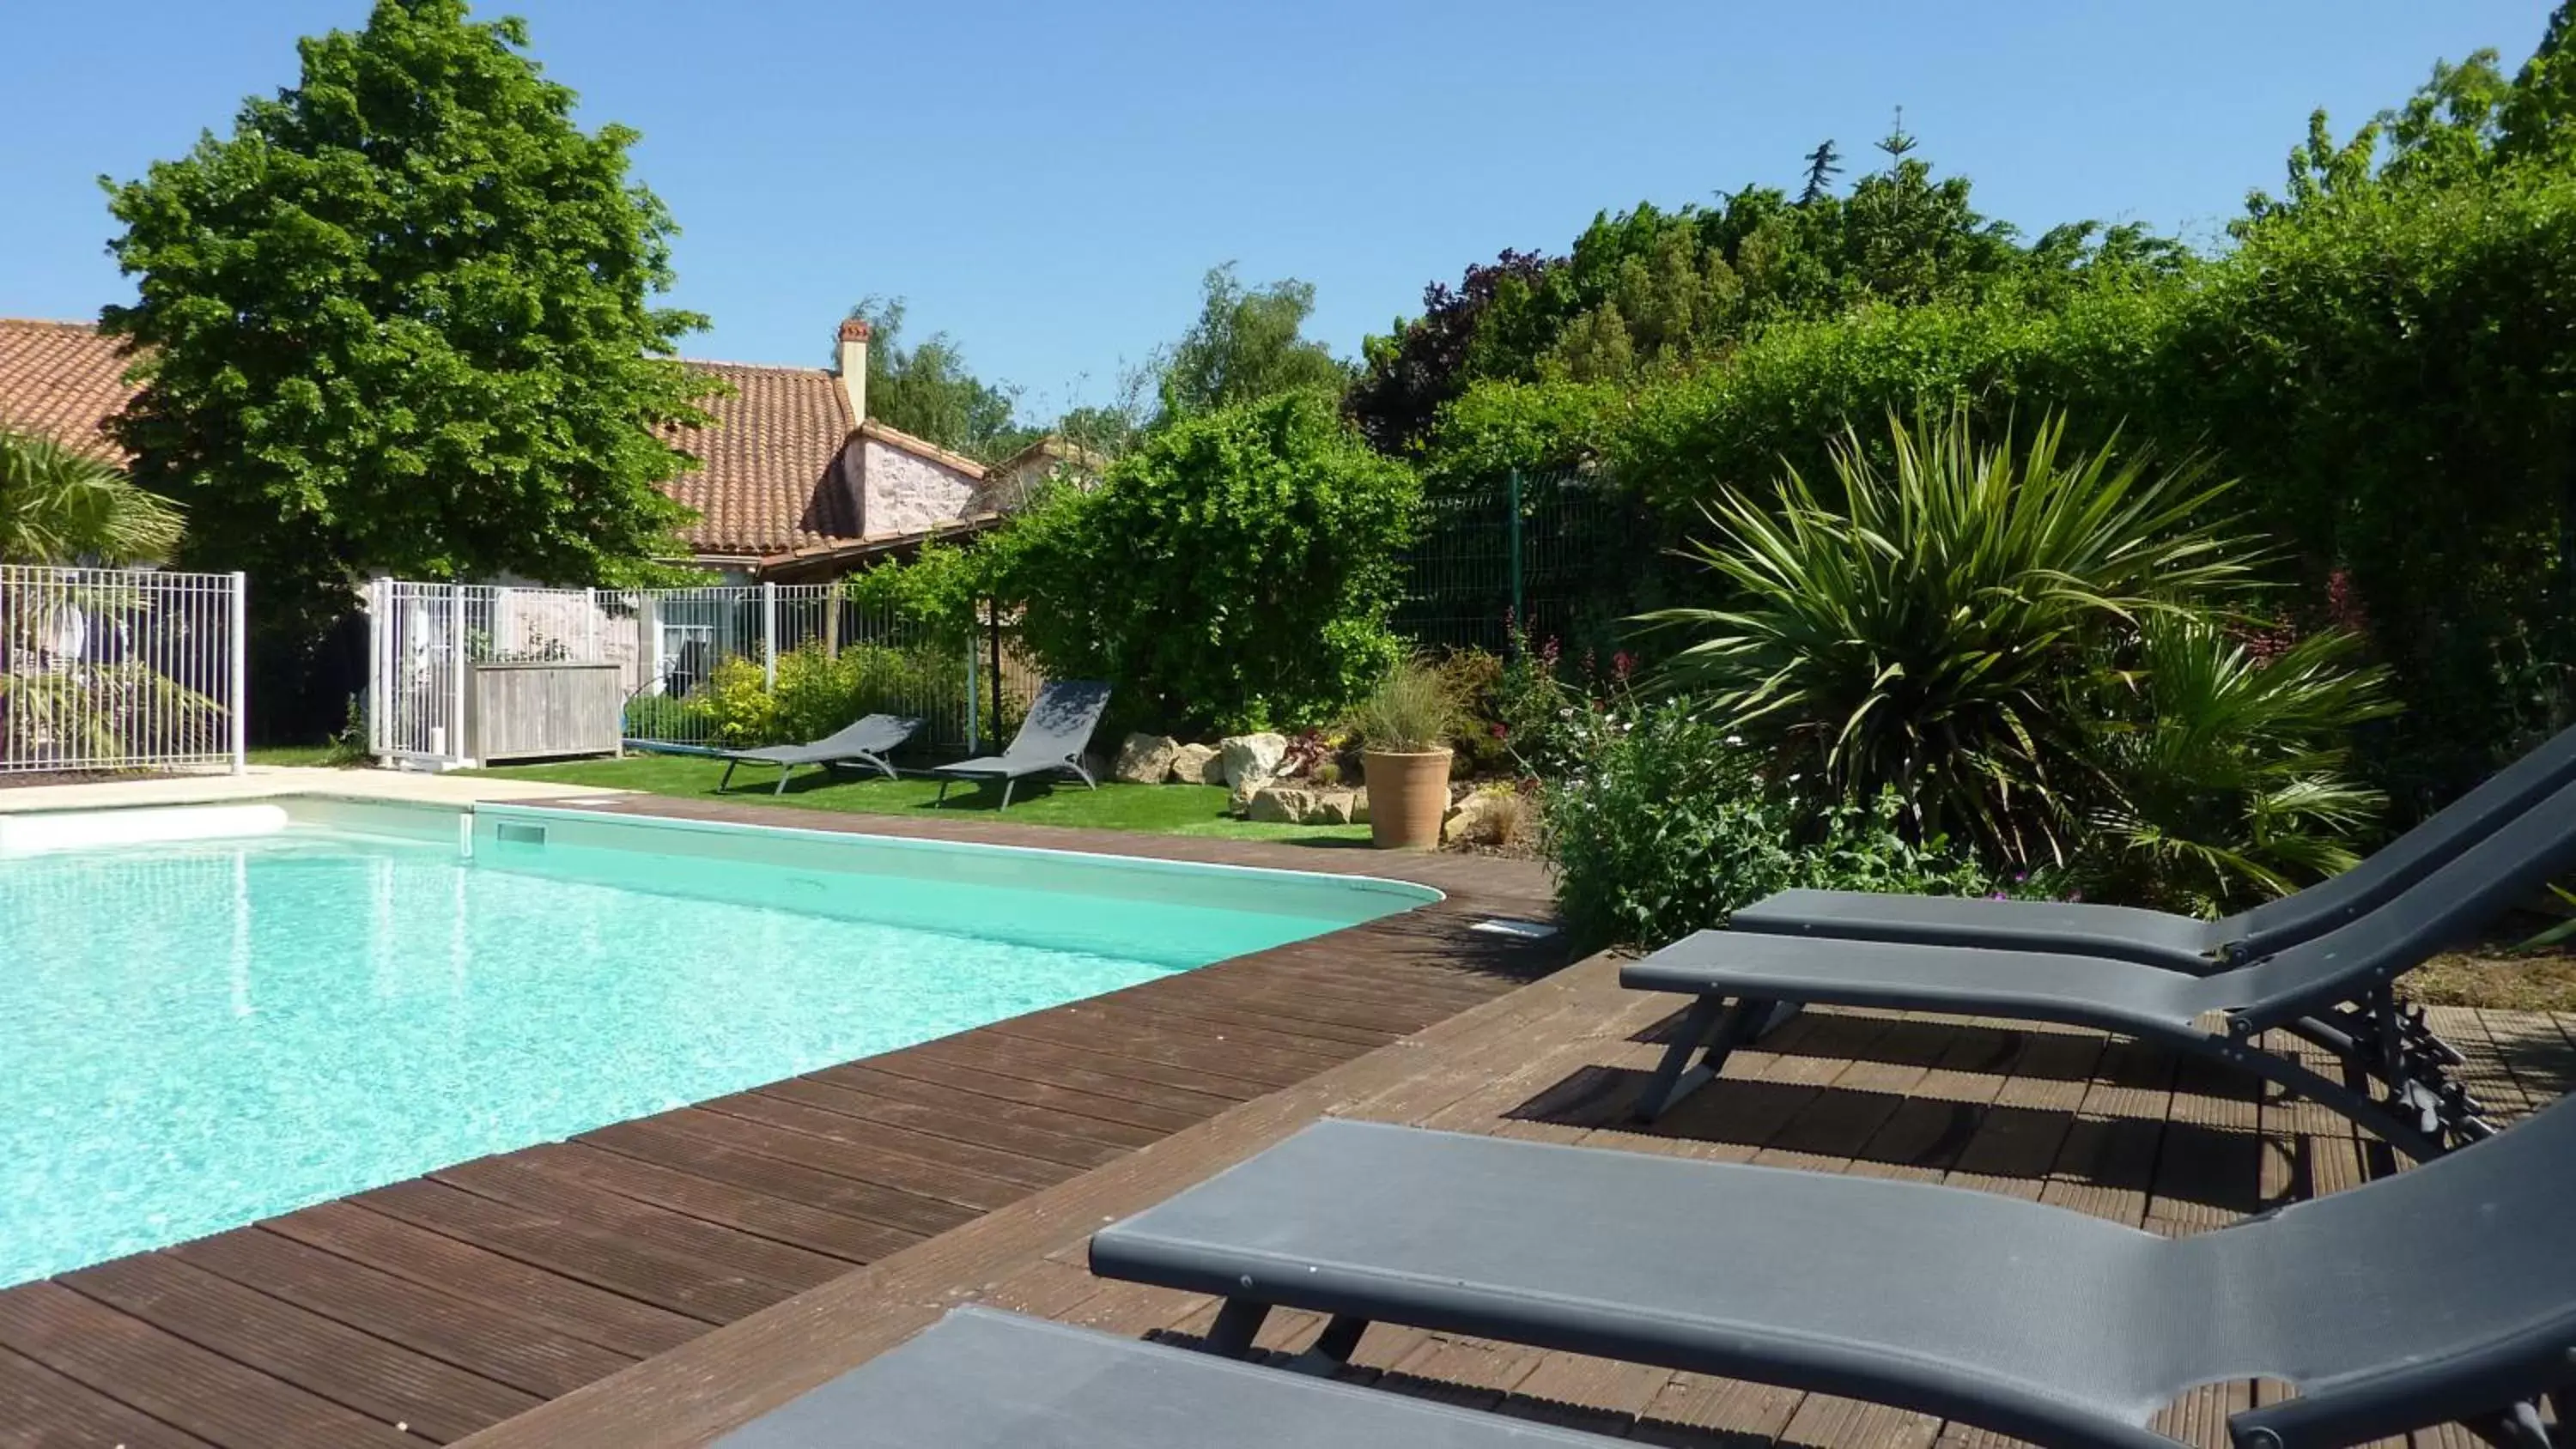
{"x":120,"y":669}
{"x":673,"y":648}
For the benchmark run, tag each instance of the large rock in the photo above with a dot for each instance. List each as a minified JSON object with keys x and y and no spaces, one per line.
{"x":1145,"y":759}
{"x":1280,"y":805}
{"x":1487,"y":817}
{"x":1198,"y":765}
{"x":1338,"y":807}
{"x":1253,"y":758}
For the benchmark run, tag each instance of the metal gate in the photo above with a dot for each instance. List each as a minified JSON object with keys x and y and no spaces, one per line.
{"x":120,"y":669}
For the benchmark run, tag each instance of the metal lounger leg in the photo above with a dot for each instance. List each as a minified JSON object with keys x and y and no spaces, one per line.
{"x":1332,"y":1349}
{"x":728,"y":776}
{"x":783,"y":772}
{"x":943,"y":793}
{"x":1007,"y":783}
{"x":1074,"y":763}
{"x":1236,"y":1323}
{"x":2390,"y":1125}
{"x":1713,"y":1027}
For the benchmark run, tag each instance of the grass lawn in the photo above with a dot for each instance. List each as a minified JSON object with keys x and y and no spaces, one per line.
{"x":293,"y":755}
{"x":1158,"y":809}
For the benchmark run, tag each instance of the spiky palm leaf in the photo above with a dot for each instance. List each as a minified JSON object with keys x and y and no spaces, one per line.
{"x":58,"y":506}
{"x":2229,"y":774}
{"x":1921,"y":630}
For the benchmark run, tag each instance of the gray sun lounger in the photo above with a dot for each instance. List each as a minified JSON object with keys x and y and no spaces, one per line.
{"x":1050,"y":742}
{"x":865,"y":742}
{"x":2446,"y":1292}
{"x":2333,"y":990}
{"x":978,"y":1379}
{"x":2181,"y":943}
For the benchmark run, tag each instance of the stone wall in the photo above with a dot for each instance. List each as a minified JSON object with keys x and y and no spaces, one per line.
{"x":901,"y":492}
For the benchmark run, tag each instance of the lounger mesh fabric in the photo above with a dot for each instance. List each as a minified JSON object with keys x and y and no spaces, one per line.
{"x":864,"y":741}
{"x":984,"y":1380}
{"x":2180,"y":942}
{"x":2024,"y":1318}
{"x":1050,"y":740}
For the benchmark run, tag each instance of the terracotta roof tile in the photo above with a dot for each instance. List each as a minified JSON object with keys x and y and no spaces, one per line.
{"x":62,"y":379}
{"x":767,"y":483}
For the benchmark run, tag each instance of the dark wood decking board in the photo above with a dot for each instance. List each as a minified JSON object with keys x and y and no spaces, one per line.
{"x":2092,"y":1123}
{"x":423,"y":1311}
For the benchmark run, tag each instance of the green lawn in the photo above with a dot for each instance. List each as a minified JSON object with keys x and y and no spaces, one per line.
{"x":1159,"y":809}
{"x":298,"y":755}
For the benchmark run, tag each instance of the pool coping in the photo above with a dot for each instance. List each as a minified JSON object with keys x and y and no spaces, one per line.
{"x":1233,"y":1030}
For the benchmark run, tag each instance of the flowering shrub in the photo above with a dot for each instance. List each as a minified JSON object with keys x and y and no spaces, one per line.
{"x":1663,"y":824}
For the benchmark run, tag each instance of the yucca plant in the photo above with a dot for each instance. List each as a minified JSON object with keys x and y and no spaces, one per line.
{"x":1921,"y":627}
{"x":2229,"y":776}
{"x":58,"y":506}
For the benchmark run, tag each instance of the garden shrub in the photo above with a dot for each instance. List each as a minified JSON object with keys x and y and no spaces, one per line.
{"x":819,"y":692}
{"x":1931,"y":627}
{"x":1471,"y":676}
{"x":739,"y":706}
{"x":1666,"y":824}
{"x":2226,"y":776}
{"x":668,"y":717}
{"x":1234,"y":572}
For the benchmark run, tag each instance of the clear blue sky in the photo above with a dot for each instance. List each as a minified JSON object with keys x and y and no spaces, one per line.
{"x":1048,"y":182}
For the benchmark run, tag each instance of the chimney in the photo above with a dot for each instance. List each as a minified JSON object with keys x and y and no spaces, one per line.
{"x":851,"y":364}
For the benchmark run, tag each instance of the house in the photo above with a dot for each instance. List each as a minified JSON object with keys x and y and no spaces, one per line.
{"x":796,"y":483}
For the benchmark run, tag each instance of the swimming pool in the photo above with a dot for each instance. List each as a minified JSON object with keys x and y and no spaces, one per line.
{"x":308,"y":1000}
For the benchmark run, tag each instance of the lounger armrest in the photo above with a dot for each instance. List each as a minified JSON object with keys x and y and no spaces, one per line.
{"x":2152,"y":938}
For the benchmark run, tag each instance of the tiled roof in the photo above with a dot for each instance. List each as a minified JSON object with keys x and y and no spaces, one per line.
{"x":62,"y":379}
{"x":766,"y":461}
{"x":767,"y":485}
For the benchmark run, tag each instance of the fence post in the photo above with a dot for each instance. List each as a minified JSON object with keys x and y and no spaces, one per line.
{"x":974,"y":736}
{"x":590,"y":624}
{"x":769,"y":634}
{"x":240,"y":671}
{"x":456,"y":674}
{"x":374,"y":692}
{"x":1520,"y":621}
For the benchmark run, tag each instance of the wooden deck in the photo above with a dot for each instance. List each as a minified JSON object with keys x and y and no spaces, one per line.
{"x":422,"y":1312}
{"x":2096,"y":1124}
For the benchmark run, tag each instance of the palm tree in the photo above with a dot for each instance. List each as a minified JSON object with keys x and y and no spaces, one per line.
{"x":59,"y":506}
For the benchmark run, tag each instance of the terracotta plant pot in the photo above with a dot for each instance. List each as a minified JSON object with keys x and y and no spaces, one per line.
{"x":1408,"y":795}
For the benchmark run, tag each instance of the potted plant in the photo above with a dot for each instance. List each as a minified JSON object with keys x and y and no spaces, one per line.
{"x":1404,"y":727}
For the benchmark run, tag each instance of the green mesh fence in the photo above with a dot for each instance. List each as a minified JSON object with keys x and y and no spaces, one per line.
{"x":1562,"y":556}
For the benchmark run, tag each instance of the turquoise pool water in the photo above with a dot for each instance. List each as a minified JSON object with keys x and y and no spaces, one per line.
{"x":204,"y":1034}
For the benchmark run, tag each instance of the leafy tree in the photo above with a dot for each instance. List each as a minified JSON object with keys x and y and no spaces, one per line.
{"x":927,"y":390}
{"x":1823,"y":165}
{"x":1424,"y":364}
{"x":1649,"y":290}
{"x":61,"y":507}
{"x":400,"y":320}
{"x":1235,"y":571}
{"x":1246,"y":346}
